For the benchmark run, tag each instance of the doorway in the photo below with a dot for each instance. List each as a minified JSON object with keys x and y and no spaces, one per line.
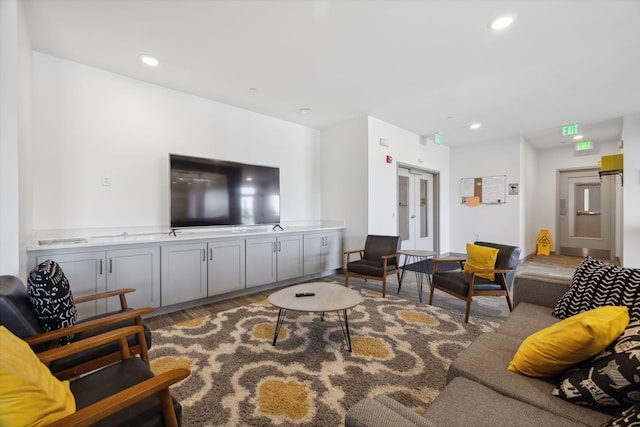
{"x":418,"y":209}
{"x":586,"y":208}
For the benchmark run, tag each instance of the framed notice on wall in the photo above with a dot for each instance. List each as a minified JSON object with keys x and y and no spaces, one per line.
{"x":488,"y":189}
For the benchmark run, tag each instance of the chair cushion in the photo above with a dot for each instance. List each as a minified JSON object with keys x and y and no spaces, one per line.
{"x":368,"y":268}
{"x":481,"y":258}
{"x":51,"y":296}
{"x":552,"y":350}
{"x":29,"y":393}
{"x":112,"y":379}
{"x":596,"y":283}
{"x":610,"y":378}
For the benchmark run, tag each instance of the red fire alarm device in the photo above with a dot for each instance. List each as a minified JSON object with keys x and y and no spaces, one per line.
{"x":389,"y":159}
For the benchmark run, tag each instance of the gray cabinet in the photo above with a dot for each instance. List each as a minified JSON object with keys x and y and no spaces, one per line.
{"x":184,"y":273}
{"x":198,"y":270}
{"x":91,"y":272}
{"x":322,"y":252}
{"x":226,"y":266}
{"x":273,"y":259}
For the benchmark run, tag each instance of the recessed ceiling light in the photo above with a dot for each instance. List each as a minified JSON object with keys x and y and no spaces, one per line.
{"x":502,"y":22}
{"x":578,"y":137}
{"x":304,"y":111}
{"x":149,"y":60}
{"x":475,"y":125}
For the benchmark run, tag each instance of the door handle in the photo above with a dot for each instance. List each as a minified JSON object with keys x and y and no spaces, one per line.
{"x":413,"y":216}
{"x":579,"y":213}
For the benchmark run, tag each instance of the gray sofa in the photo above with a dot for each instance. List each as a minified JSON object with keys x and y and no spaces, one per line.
{"x":480,"y":391}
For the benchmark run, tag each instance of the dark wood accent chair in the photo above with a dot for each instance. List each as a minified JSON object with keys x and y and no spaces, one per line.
{"x":18,"y":316}
{"x":378,"y":259}
{"x":122,"y":393}
{"x":466,"y":285}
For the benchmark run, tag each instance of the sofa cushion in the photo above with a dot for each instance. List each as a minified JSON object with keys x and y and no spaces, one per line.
{"x":596,"y":283}
{"x":481,"y":258}
{"x":611,"y":378}
{"x":486,"y":360}
{"x":29,"y":394}
{"x":551,"y":351}
{"x":51,"y":296}
{"x":526,"y":319}
{"x":486,"y":407}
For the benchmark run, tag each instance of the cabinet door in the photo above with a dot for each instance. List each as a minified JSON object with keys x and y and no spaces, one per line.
{"x":289,"y":257}
{"x":134,"y":268}
{"x":332,"y":251}
{"x":261,"y":261}
{"x":183,"y":273}
{"x":226,"y":266}
{"x":313,"y":257}
{"x":86,"y":274}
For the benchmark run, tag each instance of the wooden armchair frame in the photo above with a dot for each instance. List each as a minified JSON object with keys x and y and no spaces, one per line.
{"x":504,"y":291}
{"x":125,"y":398}
{"x":385,"y":267}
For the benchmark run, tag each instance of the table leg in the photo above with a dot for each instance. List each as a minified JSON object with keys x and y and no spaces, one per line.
{"x":279,"y":323}
{"x":345,"y":328}
{"x":404,"y":267}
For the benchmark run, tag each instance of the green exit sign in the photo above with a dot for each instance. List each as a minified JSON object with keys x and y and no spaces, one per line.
{"x":437,"y":138}
{"x":584,"y":145}
{"x":569,"y":130}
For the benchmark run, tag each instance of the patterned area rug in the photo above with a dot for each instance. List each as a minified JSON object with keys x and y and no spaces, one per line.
{"x":309,"y":377}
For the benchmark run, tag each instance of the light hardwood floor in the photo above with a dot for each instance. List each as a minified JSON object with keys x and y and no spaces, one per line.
{"x":487,"y":308}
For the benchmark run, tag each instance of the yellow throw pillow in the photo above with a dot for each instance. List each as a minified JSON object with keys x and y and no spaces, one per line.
{"x":29,"y":394}
{"x":551,"y":351}
{"x":481,"y":258}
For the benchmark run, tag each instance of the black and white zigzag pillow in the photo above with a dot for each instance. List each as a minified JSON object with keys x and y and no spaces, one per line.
{"x":595,"y":284}
{"x":51,"y":296}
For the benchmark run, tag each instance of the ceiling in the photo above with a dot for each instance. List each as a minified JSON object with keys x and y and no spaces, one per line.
{"x":425,"y":66}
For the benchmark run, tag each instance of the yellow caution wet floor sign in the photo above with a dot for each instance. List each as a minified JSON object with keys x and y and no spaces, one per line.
{"x":544,"y":242}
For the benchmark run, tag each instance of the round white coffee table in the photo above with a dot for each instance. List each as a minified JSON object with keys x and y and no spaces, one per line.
{"x":326,"y":297}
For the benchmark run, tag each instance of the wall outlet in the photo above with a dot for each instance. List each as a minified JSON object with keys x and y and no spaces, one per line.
{"x":106,"y":180}
{"x":476,"y":237}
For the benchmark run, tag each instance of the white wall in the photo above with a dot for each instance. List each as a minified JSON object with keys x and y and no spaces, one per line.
{"x":549,"y":161}
{"x":88,"y":123}
{"x":528,"y":189}
{"x":499,"y":223}
{"x":344,"y":179}
{"x":631,"y":191}
{"x":405,"y":148}
{"x":9,"y":137}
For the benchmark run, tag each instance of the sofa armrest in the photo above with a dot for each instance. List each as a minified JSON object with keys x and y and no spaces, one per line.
{"x":383,"y":411}
{"x":539,"y":290}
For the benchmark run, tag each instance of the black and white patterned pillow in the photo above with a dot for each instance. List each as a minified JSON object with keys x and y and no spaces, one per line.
{"x":630,"y":417}
{"x":610,"y":378}
{"x":51,"y":297}
{"x":595,"y":284}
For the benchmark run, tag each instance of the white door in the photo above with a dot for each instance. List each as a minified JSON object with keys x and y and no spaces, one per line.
{"x":417,"y":219}
{"x":586,"y":214}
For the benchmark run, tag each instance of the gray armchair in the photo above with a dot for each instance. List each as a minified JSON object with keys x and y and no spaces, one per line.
{"x":378,"y":259}
{"x":466,"y":285}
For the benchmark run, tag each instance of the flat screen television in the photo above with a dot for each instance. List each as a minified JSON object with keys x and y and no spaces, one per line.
{"x":209,"y":192}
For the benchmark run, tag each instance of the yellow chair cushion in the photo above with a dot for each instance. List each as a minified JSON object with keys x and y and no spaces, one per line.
{"x":481,"y":258}
{"x":29,"y":394}
{"x":551,"y":351}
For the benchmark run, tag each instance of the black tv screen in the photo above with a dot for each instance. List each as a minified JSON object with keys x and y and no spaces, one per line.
{"x":208,"y":192}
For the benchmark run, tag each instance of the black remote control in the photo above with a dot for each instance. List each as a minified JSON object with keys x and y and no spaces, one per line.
{"x":305,"y":294}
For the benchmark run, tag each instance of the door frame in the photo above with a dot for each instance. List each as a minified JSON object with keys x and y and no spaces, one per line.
{"x":436,"y":200}
{"x":608,"y":228}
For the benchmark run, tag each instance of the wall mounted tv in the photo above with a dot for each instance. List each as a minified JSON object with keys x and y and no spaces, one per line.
{"x":208,"y":192}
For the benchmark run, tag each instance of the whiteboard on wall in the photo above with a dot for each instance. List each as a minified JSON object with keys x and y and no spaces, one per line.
{"x":487,"y":190}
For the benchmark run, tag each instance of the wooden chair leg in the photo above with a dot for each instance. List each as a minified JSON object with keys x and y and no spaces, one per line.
{"x":346,"y":280}
{"x":466,"y":313}
{"x":431,"y":294}
{"x":384,"y":286}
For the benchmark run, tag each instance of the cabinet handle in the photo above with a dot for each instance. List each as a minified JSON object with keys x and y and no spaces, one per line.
{"x":100,"y":268}
{"x":210,"y":254}
{"x":204,"y":255}
{"x":110,"y":265}
{"x":279,"y":246}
